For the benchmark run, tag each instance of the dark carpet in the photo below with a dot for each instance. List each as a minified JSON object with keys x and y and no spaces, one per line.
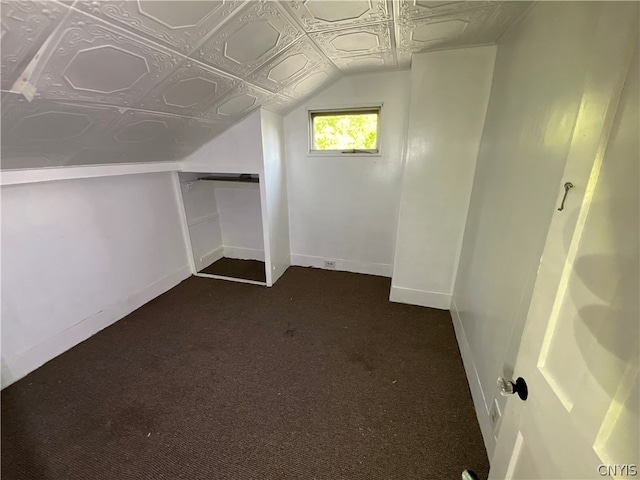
{"x":236,"y":268}
{"x":318,"y":377}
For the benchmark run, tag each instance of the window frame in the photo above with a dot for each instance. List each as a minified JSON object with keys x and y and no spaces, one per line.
{"x":345,"y":110}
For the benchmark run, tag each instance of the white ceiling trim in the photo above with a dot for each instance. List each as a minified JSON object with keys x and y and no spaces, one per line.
{"x":22,"y":176}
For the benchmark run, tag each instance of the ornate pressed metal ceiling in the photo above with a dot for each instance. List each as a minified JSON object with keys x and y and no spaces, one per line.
{"x":95,"y":82}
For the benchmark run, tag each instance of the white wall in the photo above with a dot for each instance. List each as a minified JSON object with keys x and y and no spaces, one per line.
{"x":345,"y":208}
{"x":203,"y":221}
{"x":274,"y":196}
{"x":449,"y":97}
{"x":78,"y":255}
{"x":545,"y":68}
{"x":238,"y":150}
{"x":239,"y":207}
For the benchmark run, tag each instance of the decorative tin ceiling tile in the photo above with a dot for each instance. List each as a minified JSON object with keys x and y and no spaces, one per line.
{"x":474,"y":26}
{"x":504,"y":15}
{"x":11,"y":98}
{"x":365,"y":63}
{"x":95,"y":61}
{"x":237,"y":103}
{"x":408,"y":10}
{"x":363,"y":40}
{"x":287,"y":66}
{"x":280,"y":104}
{"x":139,"y":130}
{"x":53,"y":125}
{"x":25,"y":25}
{"x":180,"y":25}
{"x":251,"y":37}
{"x":91,"y":61}
{"x":92,"y":156}
{"x":32,"y":157}
{"x":422,"y":34}
{"x":195,"y":132}
{"x":314,"y":79}
{"x":318,"y":15}
{"x":189,"y":88}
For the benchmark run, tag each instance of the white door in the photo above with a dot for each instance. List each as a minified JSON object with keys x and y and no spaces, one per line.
{"x":579,"y":350}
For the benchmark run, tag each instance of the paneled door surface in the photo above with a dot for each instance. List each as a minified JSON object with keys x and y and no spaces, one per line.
{"x":579,"y":350}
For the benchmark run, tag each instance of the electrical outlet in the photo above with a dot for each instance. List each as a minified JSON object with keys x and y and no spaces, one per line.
{"x":329,"y":264}
{"x":494,"y":414}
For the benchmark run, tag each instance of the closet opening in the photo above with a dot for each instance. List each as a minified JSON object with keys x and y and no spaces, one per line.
{"x":224,"y":222}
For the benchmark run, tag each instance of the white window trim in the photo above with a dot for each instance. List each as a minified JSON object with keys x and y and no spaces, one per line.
{"x":342,"y":109}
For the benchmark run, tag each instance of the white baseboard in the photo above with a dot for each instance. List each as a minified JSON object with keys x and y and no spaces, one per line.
{"x":211,"y":257}
{"x":477,"y":392}
{"x":205,"y":218}
{"x":420,"y":297}
{"x":14,"y":369}
{"x":243,"y":253}
{"x":380,"y":269}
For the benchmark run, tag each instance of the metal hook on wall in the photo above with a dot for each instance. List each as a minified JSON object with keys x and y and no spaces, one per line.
{"x":567,"y":186}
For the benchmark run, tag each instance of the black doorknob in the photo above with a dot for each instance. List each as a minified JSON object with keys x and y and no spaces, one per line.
{"x":509,"y":387}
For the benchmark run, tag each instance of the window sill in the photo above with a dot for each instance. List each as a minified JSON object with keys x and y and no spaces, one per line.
{"x":338,"y":153}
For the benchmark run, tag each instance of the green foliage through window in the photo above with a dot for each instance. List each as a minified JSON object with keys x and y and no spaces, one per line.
{"x":345,"y":130}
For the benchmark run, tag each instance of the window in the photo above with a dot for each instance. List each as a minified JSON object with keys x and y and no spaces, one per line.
{"x":345,"y":131}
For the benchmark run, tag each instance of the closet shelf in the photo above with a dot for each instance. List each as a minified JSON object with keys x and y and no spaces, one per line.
{"x":245,"y":178}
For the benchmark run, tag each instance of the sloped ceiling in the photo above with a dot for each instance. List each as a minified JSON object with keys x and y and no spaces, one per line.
{"x":100,"y":82}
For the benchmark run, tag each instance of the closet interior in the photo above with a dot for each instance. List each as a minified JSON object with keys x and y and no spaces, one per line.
{"x":224,"y":222}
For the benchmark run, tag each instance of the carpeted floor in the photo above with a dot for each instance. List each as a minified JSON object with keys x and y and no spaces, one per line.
{"x":318,"y":377}
{"x":236,"y":268}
